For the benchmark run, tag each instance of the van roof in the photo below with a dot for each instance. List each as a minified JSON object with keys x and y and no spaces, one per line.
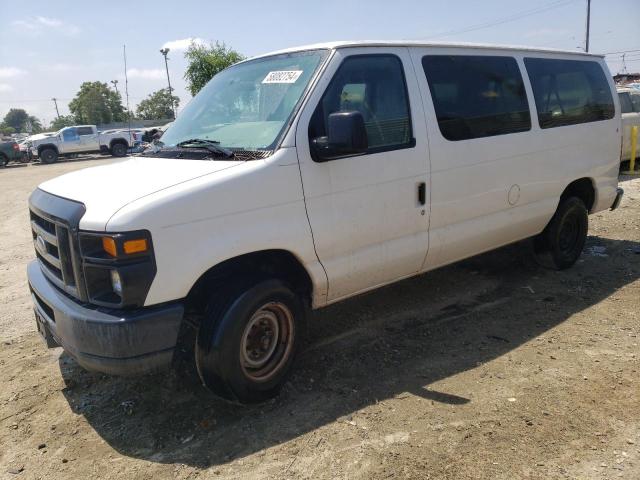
{"x":421,"y":43}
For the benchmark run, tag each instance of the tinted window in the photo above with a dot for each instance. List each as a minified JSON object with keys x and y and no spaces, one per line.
{"x":568,"y":92}
{"x":625,"y":102}
{"x":635,"y":101}
{"x":85,"y":131}
{"x":375,"y":86}
{"x":477,"y":96}
{"x":69,"y":134}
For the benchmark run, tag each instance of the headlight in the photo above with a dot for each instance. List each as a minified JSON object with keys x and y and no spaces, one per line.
{"x":118,"y":267}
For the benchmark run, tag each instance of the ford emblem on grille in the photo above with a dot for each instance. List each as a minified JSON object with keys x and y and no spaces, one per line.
{"x":41,"y":245}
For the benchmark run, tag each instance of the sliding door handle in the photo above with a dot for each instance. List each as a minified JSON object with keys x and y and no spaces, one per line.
{"x":422,"y":193}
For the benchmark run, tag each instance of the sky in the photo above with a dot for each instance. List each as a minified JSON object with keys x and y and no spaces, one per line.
{"x":48,"y":48}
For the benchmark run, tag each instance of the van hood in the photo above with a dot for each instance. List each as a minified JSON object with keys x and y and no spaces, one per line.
{"x":105,"y":189}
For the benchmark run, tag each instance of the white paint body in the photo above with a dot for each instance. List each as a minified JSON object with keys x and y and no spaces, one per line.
{"x":354,"y":224}
{"x":82,"y":143}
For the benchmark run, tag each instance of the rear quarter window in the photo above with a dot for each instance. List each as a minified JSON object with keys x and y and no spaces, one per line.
{"x":569,"y":92}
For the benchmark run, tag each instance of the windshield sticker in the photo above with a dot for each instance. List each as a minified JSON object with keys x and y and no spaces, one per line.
{"x":282,"y":76}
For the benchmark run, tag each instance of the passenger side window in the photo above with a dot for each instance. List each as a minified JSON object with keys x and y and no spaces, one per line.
{"x":477,"y":96}
{"x":375,"y":86}
{"x":85,"y":131}
{"x":569,"y":92}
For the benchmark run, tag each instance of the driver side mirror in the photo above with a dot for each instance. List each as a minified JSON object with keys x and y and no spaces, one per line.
{"x":346,"y":135}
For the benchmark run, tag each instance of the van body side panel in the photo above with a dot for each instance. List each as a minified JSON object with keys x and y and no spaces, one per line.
{"x":198,"y":224}
{"x":491,"y":191}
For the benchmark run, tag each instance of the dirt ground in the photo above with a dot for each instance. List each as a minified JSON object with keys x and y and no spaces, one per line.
{"x":492,"y":368}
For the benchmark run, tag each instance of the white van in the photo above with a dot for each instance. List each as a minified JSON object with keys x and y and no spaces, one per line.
{"x":304,"y":177}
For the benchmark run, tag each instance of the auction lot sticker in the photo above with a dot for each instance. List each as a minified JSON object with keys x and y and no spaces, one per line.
{"x":282,"y":76}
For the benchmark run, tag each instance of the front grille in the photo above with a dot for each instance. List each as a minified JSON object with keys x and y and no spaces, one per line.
{"x":53,"y":245}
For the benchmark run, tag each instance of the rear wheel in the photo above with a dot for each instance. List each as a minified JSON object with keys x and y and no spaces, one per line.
{"x":247,"y":341}
{"x":48,"y":155}
{"x":4,"y":160}
{"x":119,"y":150}
{"x":560,"y":244}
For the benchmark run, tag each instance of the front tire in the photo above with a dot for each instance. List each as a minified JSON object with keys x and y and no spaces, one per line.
{"x":248,"y":339}
{"x":48,"y":155}
{"x":560,"y":244}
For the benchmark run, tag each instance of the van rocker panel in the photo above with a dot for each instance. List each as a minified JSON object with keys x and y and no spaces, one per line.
{"x":116,"y":342}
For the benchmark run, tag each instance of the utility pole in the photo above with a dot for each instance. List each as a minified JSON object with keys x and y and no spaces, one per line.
{"x":55,"y":101}
{"x":586,"y":43}
{"x":165,"y":51}
{"x":115,"y":85}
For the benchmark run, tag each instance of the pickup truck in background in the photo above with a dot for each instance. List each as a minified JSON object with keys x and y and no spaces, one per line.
{"x":82,"y":139}
{"x":9,"y":152}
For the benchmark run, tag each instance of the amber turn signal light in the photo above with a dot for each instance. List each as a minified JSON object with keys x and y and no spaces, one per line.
{"x":109,"y":246}
{"x":135,"y":246}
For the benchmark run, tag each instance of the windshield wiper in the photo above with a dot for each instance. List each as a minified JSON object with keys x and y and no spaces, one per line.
{"x":211,"y":145}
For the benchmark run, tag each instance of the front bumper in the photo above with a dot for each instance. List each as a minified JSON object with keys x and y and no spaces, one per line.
{"x":117,"y":342}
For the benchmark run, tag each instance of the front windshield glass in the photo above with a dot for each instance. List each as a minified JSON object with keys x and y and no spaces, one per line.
{"x":247,"y":106}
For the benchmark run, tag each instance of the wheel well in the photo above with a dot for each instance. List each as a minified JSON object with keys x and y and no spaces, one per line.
{"x":118,"y":140}
{"x":583,"y":189}
{"x":281,"y":264}
{"x":47,"y":145}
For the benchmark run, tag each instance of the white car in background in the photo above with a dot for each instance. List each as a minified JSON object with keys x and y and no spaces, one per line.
{"x":630,"y":109}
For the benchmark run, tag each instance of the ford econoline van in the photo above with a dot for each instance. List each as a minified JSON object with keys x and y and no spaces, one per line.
{"x":307,"y":176}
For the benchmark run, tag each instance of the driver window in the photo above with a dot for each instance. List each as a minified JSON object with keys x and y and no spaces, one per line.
{"x":373,"y":85}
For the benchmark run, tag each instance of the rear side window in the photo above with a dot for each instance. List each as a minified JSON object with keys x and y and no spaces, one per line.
{"x":477,"y":96}
{"x":373,"y":85}
{"x":569,"y":92}
{"x":85,"y":131}
{"x":625,"y":102}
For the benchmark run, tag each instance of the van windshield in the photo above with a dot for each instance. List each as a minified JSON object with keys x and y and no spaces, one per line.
{"x":247,"y":106}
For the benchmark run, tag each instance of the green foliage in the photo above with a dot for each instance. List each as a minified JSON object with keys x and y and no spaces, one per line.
{"x":205,"y":61}
{"x":63,"y":121}
{"x":158,"y":105}
{"x":96,"y":104}
{"x":7,"y":130}
{"x":18,"y":120}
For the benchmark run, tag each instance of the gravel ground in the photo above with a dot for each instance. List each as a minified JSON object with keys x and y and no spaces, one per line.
{"x":491,"y":368}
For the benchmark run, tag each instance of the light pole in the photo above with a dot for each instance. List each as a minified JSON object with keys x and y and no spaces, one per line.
{"x":55,"y":101}
{"x":586,"y":43}
{"x":164,"y":52}
{"x":115,"y":85}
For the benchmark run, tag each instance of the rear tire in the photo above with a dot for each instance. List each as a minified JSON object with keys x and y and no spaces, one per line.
{"x":48,"y":155}
{"x":4,"y":160}
{"x":559,"y":246}
{"x":247,"y":340}
{"x":119,"y":150}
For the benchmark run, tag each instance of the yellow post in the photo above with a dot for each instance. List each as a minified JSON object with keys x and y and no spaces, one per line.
{"x":634,"y":147}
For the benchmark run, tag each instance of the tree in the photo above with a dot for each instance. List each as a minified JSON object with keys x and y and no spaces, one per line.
{"x":7,"y":130}
{"x":205,"y":61}
{"x":20,"y":121}
{"x":16,"y":118}
{"x":61,"y":122}
{"x":96,"y":104}
{"x":158,"y":105}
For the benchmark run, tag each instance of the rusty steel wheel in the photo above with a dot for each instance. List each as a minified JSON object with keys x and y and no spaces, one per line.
{"x":248,"y":337}
{"x":267,"y":341}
